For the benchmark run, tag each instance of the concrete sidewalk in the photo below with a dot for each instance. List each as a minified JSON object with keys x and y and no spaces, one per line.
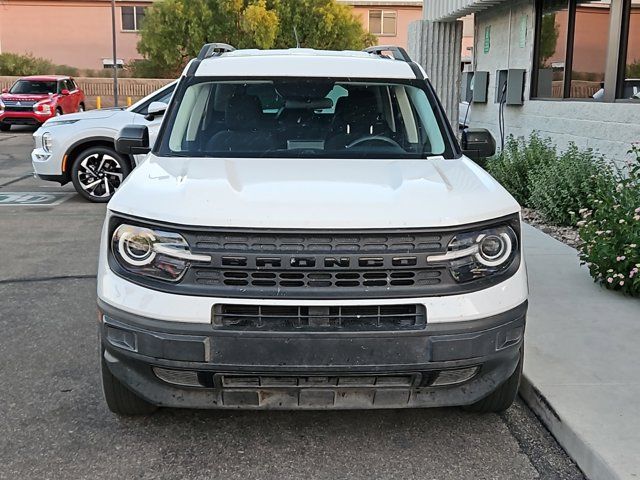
{"x":582,"y":361}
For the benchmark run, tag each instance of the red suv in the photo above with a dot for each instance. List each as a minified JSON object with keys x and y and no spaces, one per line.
{"x":34,"y":100}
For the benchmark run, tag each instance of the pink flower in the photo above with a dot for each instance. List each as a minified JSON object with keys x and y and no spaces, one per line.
{"x":620,"y":259}
{"x":610,"y":280}
{"x":622,"y":284}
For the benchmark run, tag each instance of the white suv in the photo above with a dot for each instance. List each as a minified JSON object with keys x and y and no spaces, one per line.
{"x":308,"y":233}
{"x":79,"y":148}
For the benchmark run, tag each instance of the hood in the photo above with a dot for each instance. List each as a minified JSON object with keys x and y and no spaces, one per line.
{"x":24,"y":97}
{"x":89,"y":115}
{"x":312,"y":193}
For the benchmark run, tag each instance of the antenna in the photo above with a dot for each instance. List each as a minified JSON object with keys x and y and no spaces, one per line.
{"x":295,"y":34}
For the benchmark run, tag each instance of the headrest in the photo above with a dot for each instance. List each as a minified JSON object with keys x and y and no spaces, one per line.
{"x":243,"y":112}
{"x":359,"y":110}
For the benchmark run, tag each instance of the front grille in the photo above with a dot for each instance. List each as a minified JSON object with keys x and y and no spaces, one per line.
{"x":319,"y":318}
{"x":15,"y":106}
{"x":18,"y":109}
{"x":330,"y":381}
{"x":320,"y":280}
{"x":317,"y":265}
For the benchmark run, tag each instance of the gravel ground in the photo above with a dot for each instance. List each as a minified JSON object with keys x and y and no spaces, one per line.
{"x":568,"y":235}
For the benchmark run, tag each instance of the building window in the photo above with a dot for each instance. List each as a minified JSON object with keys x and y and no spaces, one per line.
{"x":629,"y":88}
{"x":132,"y":18}
{"x":571,"y":48}
{"x":383,"y":22}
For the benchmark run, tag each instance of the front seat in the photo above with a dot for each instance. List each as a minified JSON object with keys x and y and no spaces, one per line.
{"x":246,"y":130}
{"x":356,"y":117}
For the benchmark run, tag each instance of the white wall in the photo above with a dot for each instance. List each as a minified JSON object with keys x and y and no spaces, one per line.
{"x":607,"y":127}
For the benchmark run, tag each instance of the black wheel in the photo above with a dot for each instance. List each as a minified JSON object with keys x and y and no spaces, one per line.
{"x":59,"y":112}
{"x":81,"y":107}
{"x":5,"y":127}
{"x":98,"y":172}
{"x":119,"y":398}
{"x":502,"y":397}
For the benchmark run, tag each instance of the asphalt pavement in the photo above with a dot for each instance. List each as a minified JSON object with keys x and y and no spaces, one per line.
{"x":55,"y":425}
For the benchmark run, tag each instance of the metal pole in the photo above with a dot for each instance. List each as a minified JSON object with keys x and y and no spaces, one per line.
{"x":115,"y":58}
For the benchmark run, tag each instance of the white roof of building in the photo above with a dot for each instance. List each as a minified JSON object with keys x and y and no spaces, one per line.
{"x":446,"y":10}
{"x":303,"y":62}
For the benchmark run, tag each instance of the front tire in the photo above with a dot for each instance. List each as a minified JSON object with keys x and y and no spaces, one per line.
{"x":4,"y":127}
{"x":502,"y":397}
{"x":81,"y":108}
{"x":98,"y":172}
{"x":119,"y":398}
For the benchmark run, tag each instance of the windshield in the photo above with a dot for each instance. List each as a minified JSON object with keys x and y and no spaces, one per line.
{"x":34,"y":87}
{"x":289,"y":118}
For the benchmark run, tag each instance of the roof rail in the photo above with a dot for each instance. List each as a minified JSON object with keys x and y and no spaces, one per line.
{"x":398,"y":53}
{"x":211,"y":49}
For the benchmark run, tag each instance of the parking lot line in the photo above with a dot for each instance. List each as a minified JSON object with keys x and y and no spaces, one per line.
{"x":33,"y":199}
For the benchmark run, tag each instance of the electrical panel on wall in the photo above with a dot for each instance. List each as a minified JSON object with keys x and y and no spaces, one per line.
{"x":466,"y":89}
{"x":515,"y":86}
{"x":510,"y":86}
{"x":480,"y":87}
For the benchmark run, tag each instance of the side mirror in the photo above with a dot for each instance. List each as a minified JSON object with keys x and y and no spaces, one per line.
{"x":65,"y":92}
{"x":5,"y":90}
{"x":156,"y":109}
{"x":478,"y":144}
{"x":133,"y":140}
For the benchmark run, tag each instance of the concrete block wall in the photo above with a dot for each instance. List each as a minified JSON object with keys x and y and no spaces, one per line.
{"x":610,"y":128}
{"x":437,"y":47}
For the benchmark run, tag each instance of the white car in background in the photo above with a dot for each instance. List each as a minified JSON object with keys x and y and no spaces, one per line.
{"x":79,"y":148}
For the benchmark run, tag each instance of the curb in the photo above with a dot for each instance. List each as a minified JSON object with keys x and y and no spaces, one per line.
{"x":578,"y":448}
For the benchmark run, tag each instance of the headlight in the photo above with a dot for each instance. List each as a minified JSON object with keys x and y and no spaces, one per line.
{"x":42,"y":108}
{"x":57,"y":123}
{"x":475,"y":255}
{"x":153,"y":253}
{"x":47,"y":142}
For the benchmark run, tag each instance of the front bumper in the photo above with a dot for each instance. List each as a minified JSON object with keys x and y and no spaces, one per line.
{"x":23,"y":118}
{"x":207,"y":368}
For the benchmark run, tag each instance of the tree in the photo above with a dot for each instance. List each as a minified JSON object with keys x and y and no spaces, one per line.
{"x":321,"y":24}
{"x":549,"y":33}
{"x":175,"y":30}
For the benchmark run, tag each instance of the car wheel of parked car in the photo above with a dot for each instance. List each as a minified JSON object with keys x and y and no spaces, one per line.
{"x":119,"y":398}
{"x":4,"y":127}
{"x":81,"y":107}
{"x":98,"y":172}
{"x":58,"y":112}
{"x":501,"y":398}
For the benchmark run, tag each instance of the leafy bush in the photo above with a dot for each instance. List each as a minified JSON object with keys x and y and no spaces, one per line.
{"x":514,"y":166}
{"x":13,"y":64}
{"x":610,"y":233}
{"x":568,"y":183}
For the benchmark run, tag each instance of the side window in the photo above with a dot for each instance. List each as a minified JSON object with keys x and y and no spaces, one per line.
{"x":69,"y":85}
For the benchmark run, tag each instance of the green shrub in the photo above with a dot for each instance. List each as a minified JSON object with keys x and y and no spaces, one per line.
{"x":610,"y":233}
{"x":514,"y":166}
{"x":13,"y":64}
{"x":567,"y":184}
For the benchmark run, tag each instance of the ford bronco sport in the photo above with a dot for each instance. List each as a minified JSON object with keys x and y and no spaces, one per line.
{"x":307,"y":232}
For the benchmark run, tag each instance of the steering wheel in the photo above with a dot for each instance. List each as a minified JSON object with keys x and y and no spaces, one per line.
{"x":374,"y":138}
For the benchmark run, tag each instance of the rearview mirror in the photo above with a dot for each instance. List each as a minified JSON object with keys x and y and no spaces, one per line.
{"x":133,"y":140}
{"x":478,"y":144}
{"x":156,"y":109}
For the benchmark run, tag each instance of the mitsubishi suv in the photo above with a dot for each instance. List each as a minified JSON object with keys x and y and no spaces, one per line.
{"x":308,"y":233}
